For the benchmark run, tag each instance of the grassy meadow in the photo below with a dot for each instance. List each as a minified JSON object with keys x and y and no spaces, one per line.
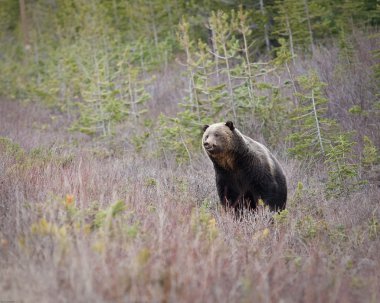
{"x":83,"y":222}
{"x":105,"y":193}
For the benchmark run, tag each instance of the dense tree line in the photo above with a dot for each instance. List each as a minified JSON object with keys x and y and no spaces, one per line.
{"x":94,"y":61}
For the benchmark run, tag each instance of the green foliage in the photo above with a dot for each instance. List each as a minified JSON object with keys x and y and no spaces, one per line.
{"x":312,"y":130}
{"x":309,"y":227}
{"x":9,"y":148}
{"x":283,"y":55}
{"x":81,"y":64}
{"x":320,"y":17}
{"x":181,"y":135}
{"x":8,"y":17}
{"x":223,"y":82}
{"x":370,"y":155}
{"x":346,"y":50}
{"x":94,"y":60}
{"x":204,"y":223}
{"x":281,"y":217}
{"x":22,"y":160}
{"x":139,"y":141}
{"x":342,"y":171}
{"x":150,"y":182}
{"x":290,"y":22}
{"x":338,"y":233}
{"x":111,"y":92}
{"x":356,"y":110}
{"x":204,"y":96}
{"x":298,"y":194}
{"x":104,"y":216}
{"x":348,"y":13}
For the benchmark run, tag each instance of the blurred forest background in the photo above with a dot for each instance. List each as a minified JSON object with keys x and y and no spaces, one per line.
{"x":102,"y":103}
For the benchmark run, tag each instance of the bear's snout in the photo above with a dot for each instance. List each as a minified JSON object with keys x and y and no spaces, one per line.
{"x":210,"y":147}
{"x":207,"y":145}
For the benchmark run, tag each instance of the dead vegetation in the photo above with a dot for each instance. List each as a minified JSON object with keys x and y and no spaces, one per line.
{"x":78,"y":225}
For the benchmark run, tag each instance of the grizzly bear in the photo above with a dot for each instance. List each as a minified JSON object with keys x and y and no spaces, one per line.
{"x":245,"y":170}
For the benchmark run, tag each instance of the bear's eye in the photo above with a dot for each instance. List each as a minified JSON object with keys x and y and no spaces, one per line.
{"x":216,"y":135}
{"x":206,"y":137}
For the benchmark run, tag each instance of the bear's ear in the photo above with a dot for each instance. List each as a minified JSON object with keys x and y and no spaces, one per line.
{"x":205,"y":127}
{"x":230,"y":125}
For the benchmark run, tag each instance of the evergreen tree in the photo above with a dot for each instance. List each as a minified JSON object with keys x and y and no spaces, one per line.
{"x":342,"y":171}
{"x":320,"y":18}
{"x":370,"y":154}
{"x":111,"y":93}
{"x":313,"y":130}
{"x":290,"y":23}
{"x":348,"y":13}
{"x":222,"y":82}
{"x":9,"y":17}
{"x":226,"y":46}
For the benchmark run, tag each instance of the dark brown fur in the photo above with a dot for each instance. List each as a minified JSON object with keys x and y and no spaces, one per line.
{"x":245,"y":170}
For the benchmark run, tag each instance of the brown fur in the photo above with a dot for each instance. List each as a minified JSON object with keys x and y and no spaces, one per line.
{"x":245,"y":170}
{"x":226,"y":158}
{"x":225,"y":161}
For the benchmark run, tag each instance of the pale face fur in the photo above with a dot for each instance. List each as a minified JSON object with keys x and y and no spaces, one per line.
{"x":217,"y":143}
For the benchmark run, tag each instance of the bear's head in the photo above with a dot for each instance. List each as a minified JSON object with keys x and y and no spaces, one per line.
{"x":217,"y":138}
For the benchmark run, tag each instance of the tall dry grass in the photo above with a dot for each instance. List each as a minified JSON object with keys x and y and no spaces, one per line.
{"x":169,"y":242}
{"x":83,"y":221}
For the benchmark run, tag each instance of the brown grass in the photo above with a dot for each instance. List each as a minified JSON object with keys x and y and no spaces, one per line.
{"x":92,"y":221}
{"x":171,"y":242}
